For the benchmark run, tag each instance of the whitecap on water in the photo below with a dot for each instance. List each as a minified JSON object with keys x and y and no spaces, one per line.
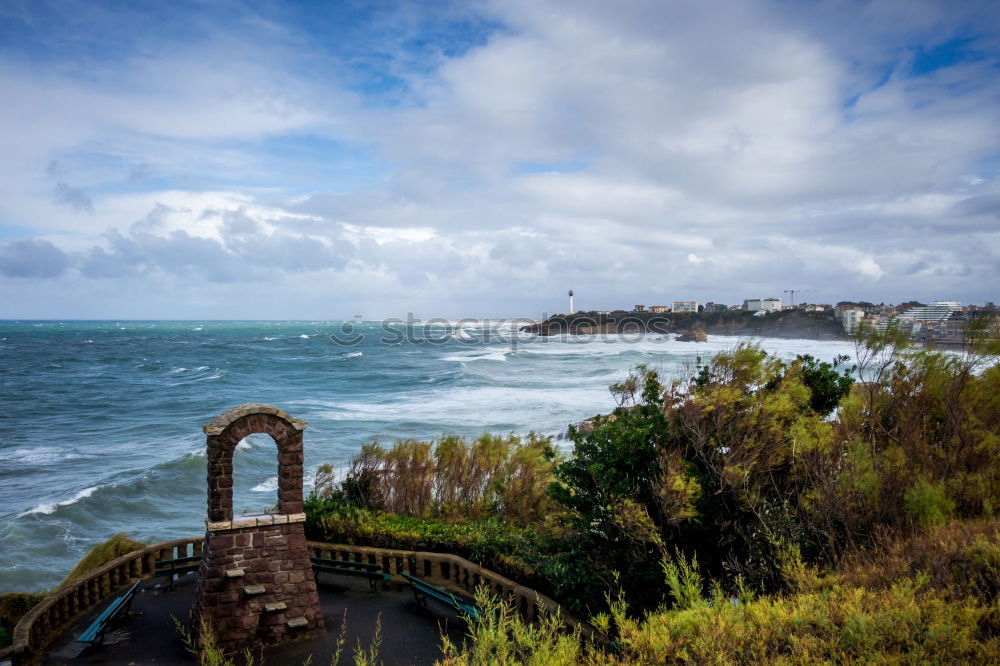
{"x":269,"y":486}
{"x":50,"y":507}
{"x":41,"y":455}
{"x":479,"y":355}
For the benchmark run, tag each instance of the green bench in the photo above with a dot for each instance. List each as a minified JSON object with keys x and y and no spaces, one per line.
{"x":94,"y":634}
{"x":176,"y":566}
{"x":422,"y":590}
{"x":373,"y":572}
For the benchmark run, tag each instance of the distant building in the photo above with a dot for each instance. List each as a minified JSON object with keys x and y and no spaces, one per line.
{"x":851,"y":318}
{"x":659,"y":308}
{"x":929,"y":314}
{"x":640,"y":308}
{"x":715,"y":307}
{"x":762,"y":304}
{"x":684,"y":306}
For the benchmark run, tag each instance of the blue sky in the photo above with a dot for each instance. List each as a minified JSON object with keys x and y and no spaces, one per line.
{"x":316,"y":160}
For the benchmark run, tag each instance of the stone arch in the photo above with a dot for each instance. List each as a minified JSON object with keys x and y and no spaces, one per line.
{"x":227,"y":430}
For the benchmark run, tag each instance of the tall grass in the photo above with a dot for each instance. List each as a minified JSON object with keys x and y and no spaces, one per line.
{"x":103,"y":553}
{"x":450,"y":477}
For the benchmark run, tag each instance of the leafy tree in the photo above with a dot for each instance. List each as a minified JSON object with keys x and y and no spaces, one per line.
{"x":828,"y":383}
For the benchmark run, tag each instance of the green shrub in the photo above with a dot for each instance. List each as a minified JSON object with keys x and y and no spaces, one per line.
{"x":499,"y":636}
{"x":536,"y":555}
{"x":13,"y":606}
{"x":928,"y":503}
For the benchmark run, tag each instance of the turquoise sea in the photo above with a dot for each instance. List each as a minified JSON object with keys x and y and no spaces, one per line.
{"x":100,"y":430}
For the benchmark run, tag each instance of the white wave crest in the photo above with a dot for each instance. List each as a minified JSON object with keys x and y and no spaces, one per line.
{"x":269,"y":486}
{"x":479,"y":355}
{"x":41,"y":455}
{"x":50,"y":507}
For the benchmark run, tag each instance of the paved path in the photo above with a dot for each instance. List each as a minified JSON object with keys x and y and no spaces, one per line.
{"x":410,"y":634}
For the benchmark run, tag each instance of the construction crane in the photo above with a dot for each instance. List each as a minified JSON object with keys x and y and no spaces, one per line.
{"x":797,"y":291}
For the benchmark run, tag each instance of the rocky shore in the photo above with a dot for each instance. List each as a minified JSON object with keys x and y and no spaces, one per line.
{"x":784,"y":324}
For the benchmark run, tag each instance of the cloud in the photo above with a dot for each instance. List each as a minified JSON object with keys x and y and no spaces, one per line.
{"x":496,"y":154}
{"x":32,"y":258}
{"x":73,"y":197}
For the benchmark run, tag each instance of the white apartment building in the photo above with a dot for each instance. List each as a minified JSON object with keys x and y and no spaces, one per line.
{"x":851,"y":318}
{"x":935,"y":312}
{"x":762,"y":304}
{"x":684,"y":306}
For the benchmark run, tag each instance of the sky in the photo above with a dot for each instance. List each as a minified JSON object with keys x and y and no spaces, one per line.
{"x":317,"y":160}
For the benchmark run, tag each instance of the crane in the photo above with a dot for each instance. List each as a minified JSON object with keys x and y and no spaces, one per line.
{"x":797,"y":291}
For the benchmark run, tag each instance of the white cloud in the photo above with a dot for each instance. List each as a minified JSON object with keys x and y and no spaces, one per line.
{"x":622,"y":148}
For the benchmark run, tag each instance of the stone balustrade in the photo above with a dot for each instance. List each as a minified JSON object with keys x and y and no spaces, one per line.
{"x":452,"y":572}
{"x":69,"y":601}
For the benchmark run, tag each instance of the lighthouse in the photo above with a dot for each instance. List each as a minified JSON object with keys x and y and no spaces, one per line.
{"x":571,"y":310}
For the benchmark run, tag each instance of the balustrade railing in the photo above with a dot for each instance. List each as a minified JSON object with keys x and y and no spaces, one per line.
{"x":70,"y":600}
{"x":67,"y":602}
{"x":451,"y":571}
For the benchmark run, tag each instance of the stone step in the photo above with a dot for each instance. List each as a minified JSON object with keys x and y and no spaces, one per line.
{"x":275,"y":606}
{"x":254,"y":589}
{"x":297,"y":622}
{"x":235,"y":573}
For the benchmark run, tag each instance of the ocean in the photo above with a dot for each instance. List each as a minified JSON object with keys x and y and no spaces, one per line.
{"x":100,"y":430}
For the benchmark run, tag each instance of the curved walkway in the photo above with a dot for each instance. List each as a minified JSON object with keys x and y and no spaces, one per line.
{"x":410,"y":634}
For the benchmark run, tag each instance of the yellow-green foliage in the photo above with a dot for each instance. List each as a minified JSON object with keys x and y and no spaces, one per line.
{"x":451,"y":477}
{"x":870,"y":611}
{"x":960,"y":559}
{"x":921,"y":444}
{"x":839,"y":624}
{"x":103,"y":553}
{"x":500,"y":637}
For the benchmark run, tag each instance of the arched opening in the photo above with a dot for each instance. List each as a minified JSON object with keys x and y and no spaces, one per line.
{"x":231,"y":428}
{"x":255,"y":476}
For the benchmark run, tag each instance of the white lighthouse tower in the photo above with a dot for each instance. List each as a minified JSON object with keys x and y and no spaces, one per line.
{"x":571,"y":310}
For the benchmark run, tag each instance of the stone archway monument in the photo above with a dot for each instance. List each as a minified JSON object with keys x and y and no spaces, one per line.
{"x":256,"y":584}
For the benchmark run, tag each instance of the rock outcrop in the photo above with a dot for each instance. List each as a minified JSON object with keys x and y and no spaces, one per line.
{"x":694,"y":335}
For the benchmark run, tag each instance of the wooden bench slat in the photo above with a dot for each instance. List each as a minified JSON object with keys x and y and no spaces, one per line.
{"x":372,"y":576}
{"x":441,"y":594}
{"x":366,"y":566}
{"x":94,"y":634}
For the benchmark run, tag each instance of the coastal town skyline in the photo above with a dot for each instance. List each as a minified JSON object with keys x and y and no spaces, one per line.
{"x":296,"y":161}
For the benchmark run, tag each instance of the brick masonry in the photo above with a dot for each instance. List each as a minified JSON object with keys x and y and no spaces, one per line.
{"x":242,"y":554}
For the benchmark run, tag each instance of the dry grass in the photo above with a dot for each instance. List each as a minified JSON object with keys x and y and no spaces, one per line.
{"x":103,"y":553}
{"x":450,"y":478}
